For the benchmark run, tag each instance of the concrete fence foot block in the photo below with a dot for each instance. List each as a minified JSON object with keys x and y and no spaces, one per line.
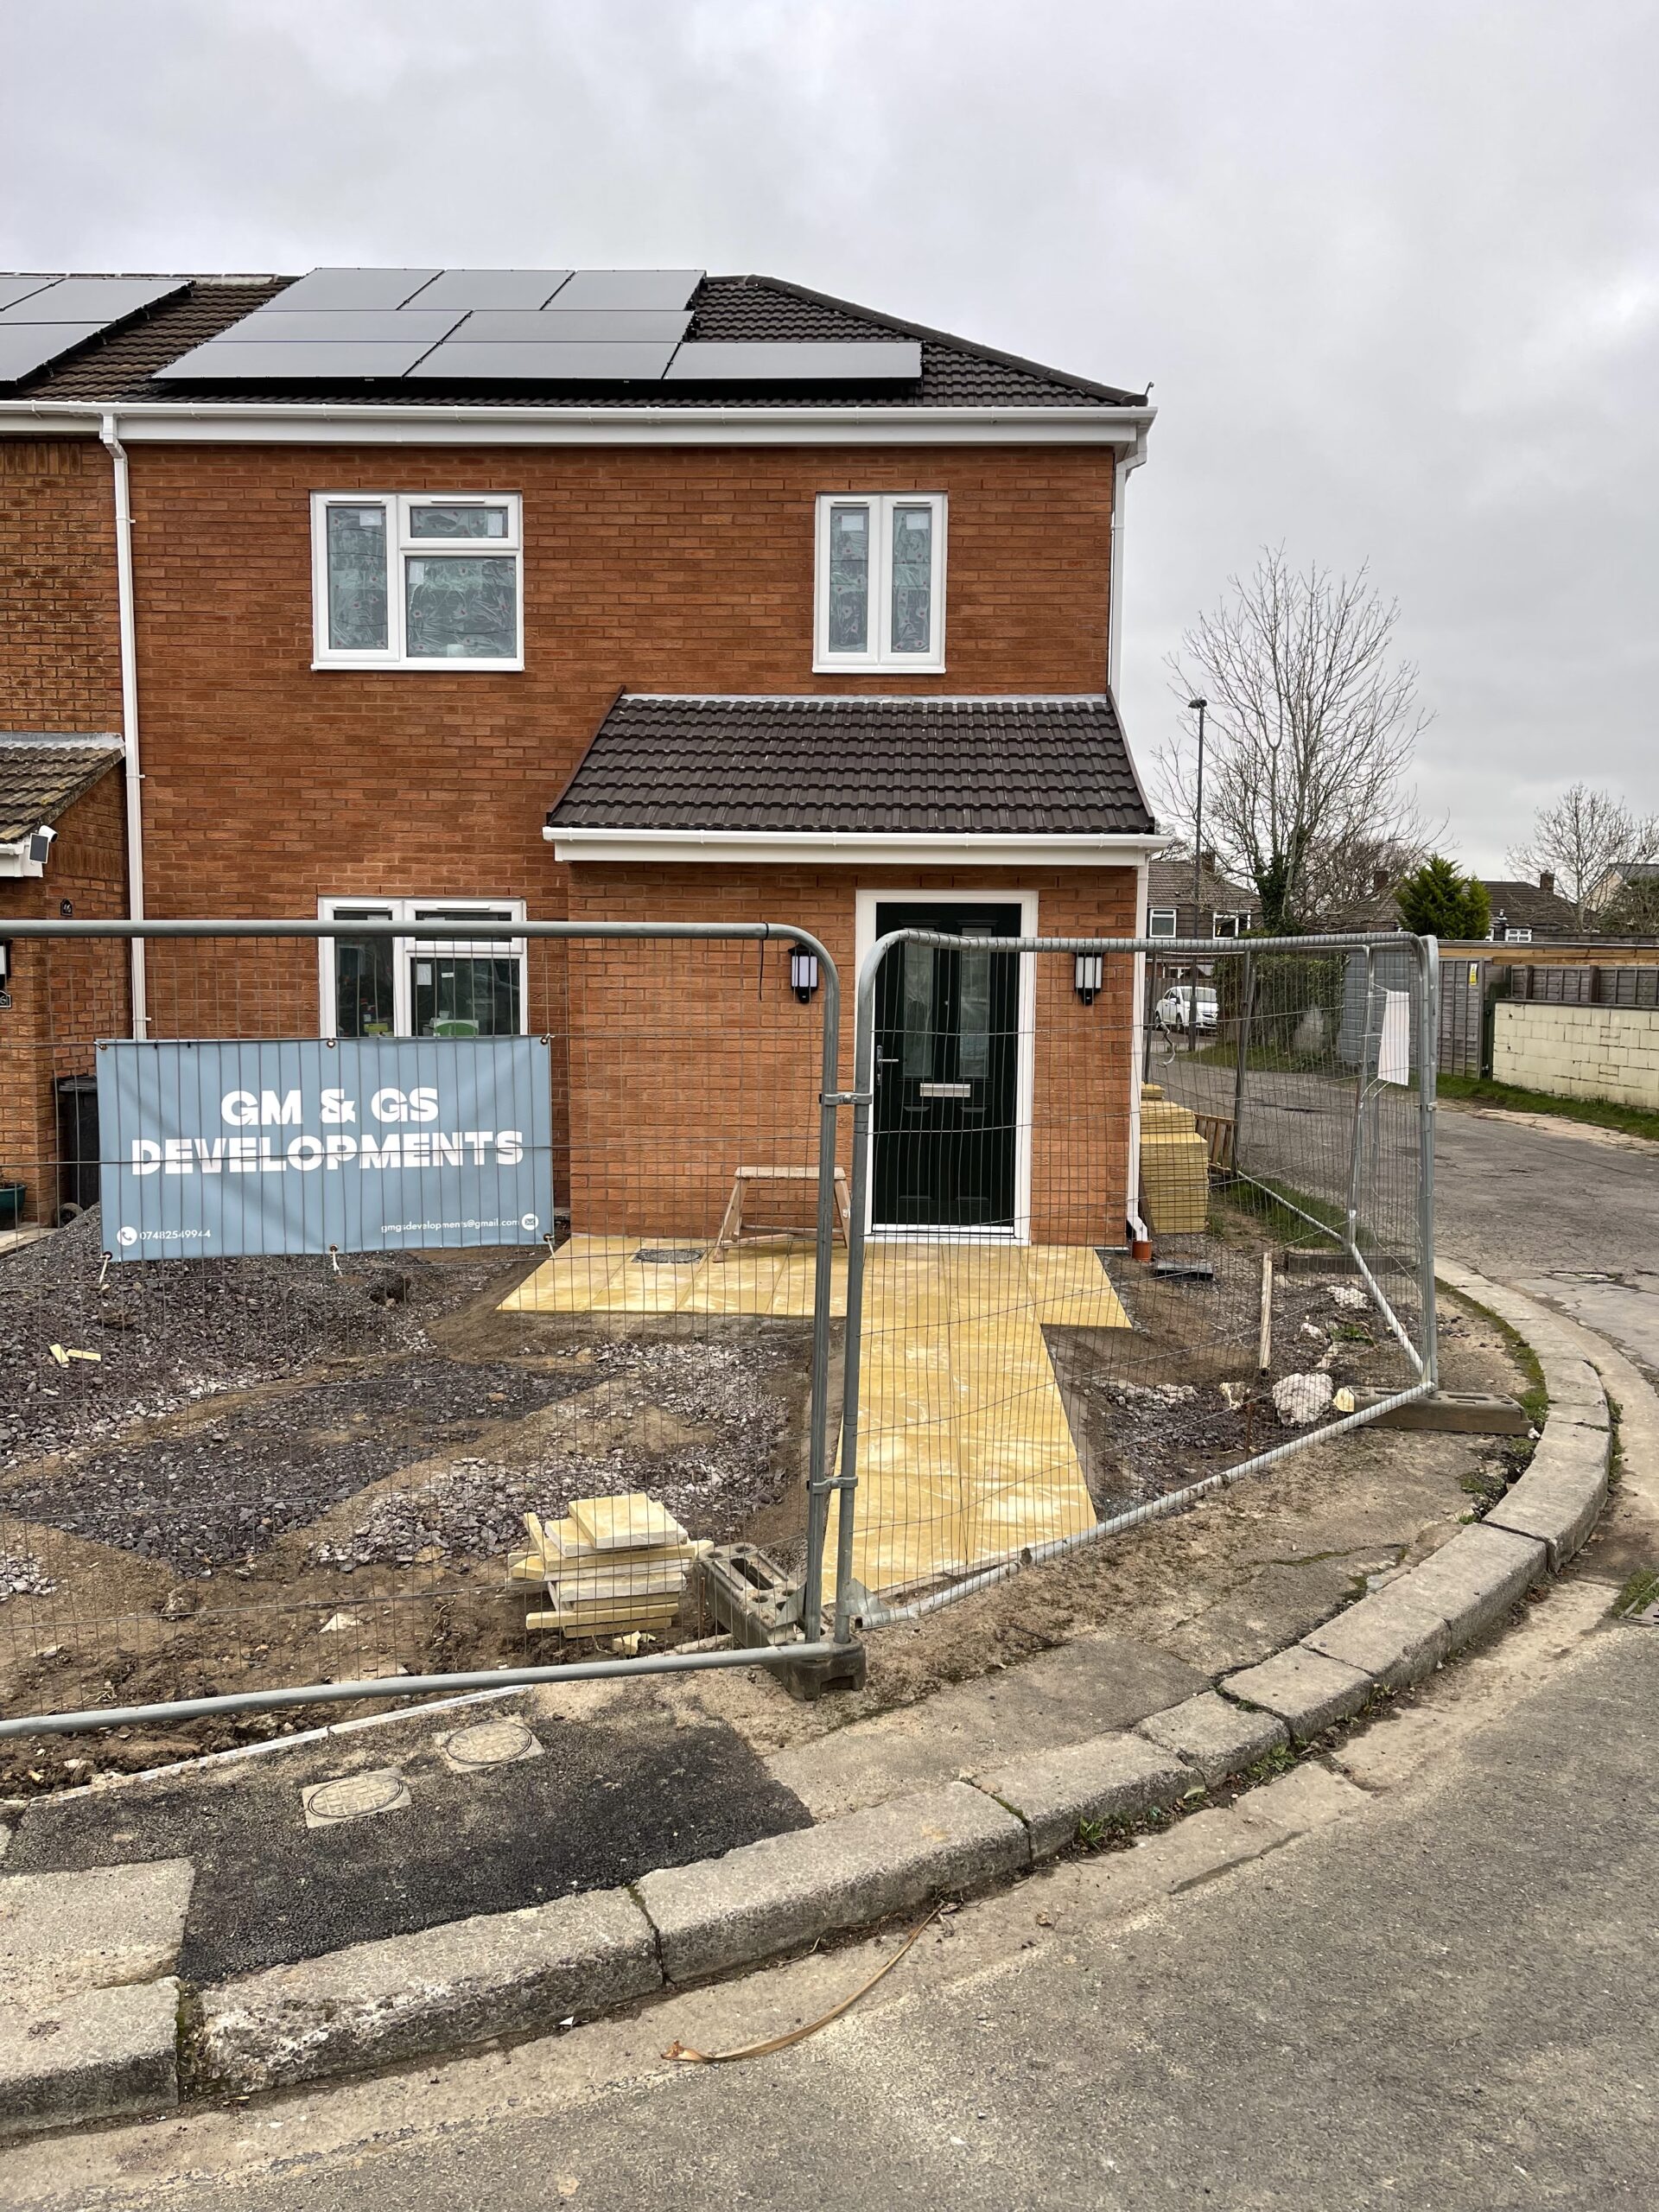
{"x":93,"y":2054}
{"x":1218,"y":1739}
{"x":1559,"y":1499}
{"x":786,"y":1891}
{"x":1107,"y":1778}
{"x":500,"y":1973}
{"x":1397,"y":1636}
{"x":1475,"y":1578}
{"x":1307,"y":1691}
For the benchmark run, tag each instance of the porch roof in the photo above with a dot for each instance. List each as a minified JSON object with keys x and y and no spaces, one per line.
{"x":872,"y":766}
{"x":42,"y":775}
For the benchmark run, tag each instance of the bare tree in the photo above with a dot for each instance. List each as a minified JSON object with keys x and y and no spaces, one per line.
{"x":1312,"y":722}
{"x":1584,"y":840}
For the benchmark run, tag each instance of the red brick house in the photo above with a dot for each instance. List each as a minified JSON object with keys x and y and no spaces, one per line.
{"x":641,"y":594}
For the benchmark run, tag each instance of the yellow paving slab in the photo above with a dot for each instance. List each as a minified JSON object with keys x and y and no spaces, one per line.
{"x":965,"y":1453}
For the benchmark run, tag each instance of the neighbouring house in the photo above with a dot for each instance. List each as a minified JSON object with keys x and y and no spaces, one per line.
{"x":602,"y":594}
{"x":63,"y":853}
{"x":1523,"y":912}
{"x":1224,"y":908}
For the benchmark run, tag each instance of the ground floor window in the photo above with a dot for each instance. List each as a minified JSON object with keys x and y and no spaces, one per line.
{"x":417,"y":984}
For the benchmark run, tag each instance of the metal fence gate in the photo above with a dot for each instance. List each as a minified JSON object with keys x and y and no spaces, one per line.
{"x":1131,"y":1218}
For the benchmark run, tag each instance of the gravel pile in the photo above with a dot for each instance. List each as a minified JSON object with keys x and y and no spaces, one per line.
{"x":169,"y":1331}
{"x":23,"y":1576}
{"x":476,"y":1510}
{"x":221,"y":1493}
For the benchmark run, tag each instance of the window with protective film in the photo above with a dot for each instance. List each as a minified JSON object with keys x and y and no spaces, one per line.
{"x":416,"y":579}
{"x":880,"y":581}
{"x":418,"y":984}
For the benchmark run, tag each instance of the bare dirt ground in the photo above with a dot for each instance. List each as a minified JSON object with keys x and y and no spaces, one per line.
{"x":277,"y":1472}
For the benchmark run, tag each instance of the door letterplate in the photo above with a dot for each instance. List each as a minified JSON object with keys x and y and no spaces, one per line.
{"x":944,"y":1089}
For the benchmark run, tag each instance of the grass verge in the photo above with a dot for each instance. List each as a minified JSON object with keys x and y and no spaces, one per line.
{"x":1600,"y":1113}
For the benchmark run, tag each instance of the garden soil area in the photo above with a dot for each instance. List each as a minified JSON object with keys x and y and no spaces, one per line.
{"x":343,"y":1504}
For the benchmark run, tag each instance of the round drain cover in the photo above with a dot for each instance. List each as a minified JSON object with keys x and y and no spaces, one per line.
{"x":355,"y":1795}
{"x":490,"y":1743}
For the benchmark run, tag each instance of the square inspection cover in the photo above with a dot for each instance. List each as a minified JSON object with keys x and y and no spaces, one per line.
{"x":354,"y":1797}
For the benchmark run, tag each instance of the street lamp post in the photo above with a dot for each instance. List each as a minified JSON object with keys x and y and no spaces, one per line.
{"x":1197,"y":707}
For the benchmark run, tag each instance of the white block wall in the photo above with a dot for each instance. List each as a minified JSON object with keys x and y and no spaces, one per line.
{"x":1578,"y":1051}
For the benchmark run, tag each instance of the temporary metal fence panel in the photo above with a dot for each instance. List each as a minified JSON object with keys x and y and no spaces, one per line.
{"x":299,"y":1470}
{"x":1092,"y":1181}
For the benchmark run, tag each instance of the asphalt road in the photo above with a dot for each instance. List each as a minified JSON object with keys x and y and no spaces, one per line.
{"x":1442,"y":2003}
{"x":1567,"y":1213}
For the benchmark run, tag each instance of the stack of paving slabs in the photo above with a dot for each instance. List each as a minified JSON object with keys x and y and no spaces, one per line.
{"x":1174,"y":1165}
{"x":613,"y":1566}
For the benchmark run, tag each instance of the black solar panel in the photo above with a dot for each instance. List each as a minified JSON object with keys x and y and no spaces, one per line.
{"x":631,"y":288}
{"x":570,"y":324}
{"x":44,"y":318}
{"x":356,"y":287}
{"x":97,"y":300}
{"x":26,"y":346}
{"x":581,"y":362}
{"x":20,"y":288}
{"x":273,"y":326}
{"x":491,"y":288}
{"x":226,"y":361}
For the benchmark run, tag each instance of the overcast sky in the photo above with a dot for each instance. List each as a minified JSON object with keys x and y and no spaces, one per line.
{"x":1393,"y":269}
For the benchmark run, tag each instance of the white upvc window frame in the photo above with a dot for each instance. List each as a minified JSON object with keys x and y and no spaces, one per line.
{"x":408,"y":946}
{"x":1234,"y":922}
{"x":1518,"y":933}
{"x":879,"y":652}
{"x":1156,"y":914}
{"x":401,"y":544}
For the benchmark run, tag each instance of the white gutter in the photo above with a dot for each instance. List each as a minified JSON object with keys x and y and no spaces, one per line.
{"x":131,"y":769}
{"x":15,"y":861}
{"x":760,"y":848}
{"x":340,"y":422}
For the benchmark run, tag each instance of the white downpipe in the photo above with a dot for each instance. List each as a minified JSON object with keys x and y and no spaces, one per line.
{"x":131,"y":769}
{"x":1138,"y":1228}
{"x":1120,"y":467}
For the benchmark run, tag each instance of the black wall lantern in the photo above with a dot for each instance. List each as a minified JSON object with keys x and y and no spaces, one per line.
{"x":1090,"y":973}
{"x":803,"y":972}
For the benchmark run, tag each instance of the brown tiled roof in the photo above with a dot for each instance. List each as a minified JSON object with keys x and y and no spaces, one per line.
{"x":1038,"y":767}
{"x":1169,"y":883}
{"x":40,"y":778}
{"x":954,"y":371}
{"x":1526,"y":906}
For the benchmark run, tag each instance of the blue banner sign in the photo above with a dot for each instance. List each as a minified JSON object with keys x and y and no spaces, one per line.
{"x":354,"y":1144}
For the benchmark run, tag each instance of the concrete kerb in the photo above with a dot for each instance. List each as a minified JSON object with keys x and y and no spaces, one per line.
{"x":522,"y":1972}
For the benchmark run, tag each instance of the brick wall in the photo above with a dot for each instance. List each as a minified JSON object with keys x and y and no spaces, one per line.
{"x":1578,"y":1051}
{"x":269,"y":784}
{"x":60,"y":648}
{"x":66,"y":994}
{"x":688,"y":1062}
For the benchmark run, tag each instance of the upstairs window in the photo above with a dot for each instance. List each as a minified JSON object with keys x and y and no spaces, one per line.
{"x":418,"y":985}
{"x":1224,"y":924}
{"x":408,"y":580}
{"x":1160,"y":922}
{"x":881,"y":590}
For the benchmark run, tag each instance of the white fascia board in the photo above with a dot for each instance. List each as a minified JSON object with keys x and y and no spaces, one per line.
{"x":153,"y":422}
{"x":849,"y":849}
{"x":15,"y":861}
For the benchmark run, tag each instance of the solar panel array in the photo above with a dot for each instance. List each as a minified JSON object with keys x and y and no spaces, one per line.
{"x":510,"y":325}
{"x":42,"y":319}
